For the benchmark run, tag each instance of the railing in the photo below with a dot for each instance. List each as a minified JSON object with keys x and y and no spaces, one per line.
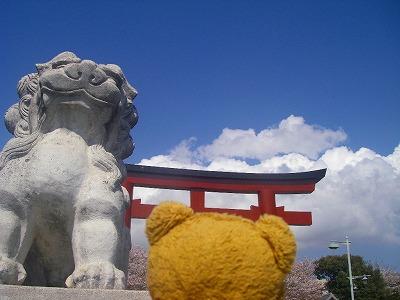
{"x":266,"y":186}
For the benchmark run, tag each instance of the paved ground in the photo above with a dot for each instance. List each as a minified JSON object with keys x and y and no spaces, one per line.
{"x":9,"y":292}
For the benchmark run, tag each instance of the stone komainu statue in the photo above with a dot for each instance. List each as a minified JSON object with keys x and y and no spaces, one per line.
{"x":61,"y":201}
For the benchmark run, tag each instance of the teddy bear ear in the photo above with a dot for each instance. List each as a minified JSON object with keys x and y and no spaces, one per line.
{"x":281,"y":239}
{"x":164,"y":217}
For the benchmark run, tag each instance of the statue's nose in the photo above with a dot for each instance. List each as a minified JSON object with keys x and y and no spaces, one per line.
{"x":86,"y":71}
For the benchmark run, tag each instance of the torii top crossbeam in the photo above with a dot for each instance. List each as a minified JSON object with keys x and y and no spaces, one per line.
{"x":265,"y":185}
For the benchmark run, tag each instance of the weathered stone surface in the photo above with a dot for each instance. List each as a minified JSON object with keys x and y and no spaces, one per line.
{"x":8,"y":292}
{"x":61,"y":201}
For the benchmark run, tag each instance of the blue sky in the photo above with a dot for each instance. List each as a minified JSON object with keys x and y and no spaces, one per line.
{"x":204,"y":66}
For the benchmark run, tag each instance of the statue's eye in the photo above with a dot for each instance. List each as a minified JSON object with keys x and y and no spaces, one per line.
{"x":117,"y":79}
{"x":113,"y":80}
{"x":59,"y":65}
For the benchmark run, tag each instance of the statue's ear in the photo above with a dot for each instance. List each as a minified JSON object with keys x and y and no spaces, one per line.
{"x":164,"y":217}
{"x":278,"y":234}
{"x":12,"y":118}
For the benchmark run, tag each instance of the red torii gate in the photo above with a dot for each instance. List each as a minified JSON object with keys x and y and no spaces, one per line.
{"x":266,"y":186}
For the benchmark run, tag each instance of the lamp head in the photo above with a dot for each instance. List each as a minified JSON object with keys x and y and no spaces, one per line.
{"x":333,"y":245}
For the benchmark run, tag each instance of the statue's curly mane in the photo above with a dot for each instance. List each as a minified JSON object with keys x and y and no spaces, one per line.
{"x":18,"y":120}
{"x":24,"y":120}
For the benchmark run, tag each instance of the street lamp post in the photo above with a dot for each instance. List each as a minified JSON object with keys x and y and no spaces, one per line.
{"x":335,"y":245}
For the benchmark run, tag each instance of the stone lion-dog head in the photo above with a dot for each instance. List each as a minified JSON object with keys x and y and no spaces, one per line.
{"x":66,"y":79}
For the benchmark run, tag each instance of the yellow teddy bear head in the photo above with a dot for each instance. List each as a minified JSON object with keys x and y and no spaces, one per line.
{"x":216,"y":256}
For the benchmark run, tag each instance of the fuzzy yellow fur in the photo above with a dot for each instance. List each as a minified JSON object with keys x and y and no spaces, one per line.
{"x":216,"y":256}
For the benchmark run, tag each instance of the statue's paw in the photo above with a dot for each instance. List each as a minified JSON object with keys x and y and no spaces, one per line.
{"x":102,"y":275}
{"x":11,"y":272}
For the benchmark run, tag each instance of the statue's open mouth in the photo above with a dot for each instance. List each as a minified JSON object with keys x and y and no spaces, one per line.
{"x":75,"y":92}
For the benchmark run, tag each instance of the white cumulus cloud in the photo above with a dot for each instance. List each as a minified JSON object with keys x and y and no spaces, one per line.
{"x":359,"y":196}
{"x":292,"y":135}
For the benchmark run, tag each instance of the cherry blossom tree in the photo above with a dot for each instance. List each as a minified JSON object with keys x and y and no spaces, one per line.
{"x":391,"y":278}
{"x":301,"y":283}
{"x":137,"y":269}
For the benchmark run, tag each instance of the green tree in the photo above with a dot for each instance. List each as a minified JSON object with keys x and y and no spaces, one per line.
{"x":335,"y":270}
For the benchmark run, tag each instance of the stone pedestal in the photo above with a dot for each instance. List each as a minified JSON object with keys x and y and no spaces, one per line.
{"x":12,"y":292}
